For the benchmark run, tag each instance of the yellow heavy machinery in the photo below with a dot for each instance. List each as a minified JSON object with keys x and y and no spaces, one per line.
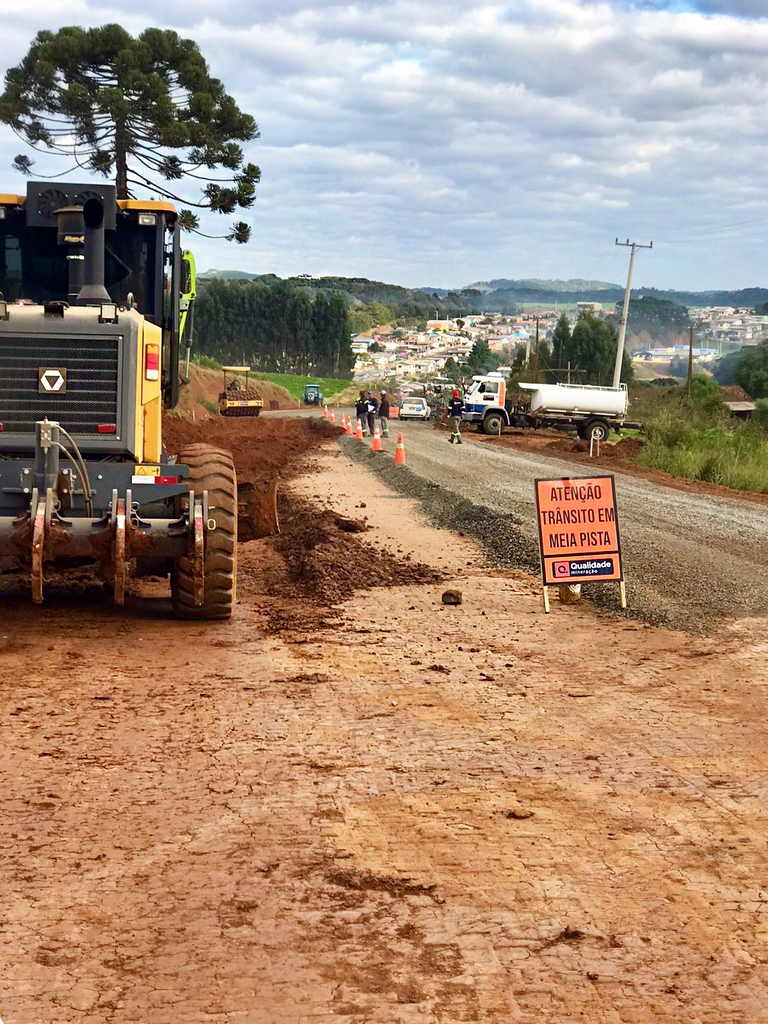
{"x":97,"y":296}
{"x":239,"y":399}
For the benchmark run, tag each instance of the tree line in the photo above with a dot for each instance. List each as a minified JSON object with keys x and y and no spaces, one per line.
{"x":277,"y":328}
{"x":590,"y":348}
{"x":747,"y":367}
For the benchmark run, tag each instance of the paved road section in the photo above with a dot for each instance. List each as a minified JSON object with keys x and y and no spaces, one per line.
{"x":690,"y":560}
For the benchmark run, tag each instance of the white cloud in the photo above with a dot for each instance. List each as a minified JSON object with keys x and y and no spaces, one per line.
{"x":444,"y":141}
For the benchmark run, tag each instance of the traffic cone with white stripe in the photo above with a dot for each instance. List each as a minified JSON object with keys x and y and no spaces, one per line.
{"x":349,"y":426}
{"x":400,"y":451}
{"x":332,"y":418}
{"x":376,"y":445}
{"x":343,"y":422}
{"x":359,"y":430}
{"x":325,"y":412}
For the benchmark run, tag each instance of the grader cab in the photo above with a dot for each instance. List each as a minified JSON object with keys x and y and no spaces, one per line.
{"x":97,"y":297}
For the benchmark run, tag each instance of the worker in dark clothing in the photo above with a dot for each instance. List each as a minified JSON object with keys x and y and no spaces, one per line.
{"x":361,"y":411}
{"x":384,"y":414}
{"x":373,"y":408}
{"x":454,"y":411}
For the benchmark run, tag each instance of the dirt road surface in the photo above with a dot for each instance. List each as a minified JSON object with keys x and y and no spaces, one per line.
{"x":392,"y":811}
{"x":692,"y":560}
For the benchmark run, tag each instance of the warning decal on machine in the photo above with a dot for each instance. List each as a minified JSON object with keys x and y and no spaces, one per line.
{"x":578,"y":530}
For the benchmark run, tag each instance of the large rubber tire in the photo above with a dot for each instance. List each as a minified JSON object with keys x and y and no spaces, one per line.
{"x":210,"y":469}
{"x":601,"y":428}
{"x":493,"y":423}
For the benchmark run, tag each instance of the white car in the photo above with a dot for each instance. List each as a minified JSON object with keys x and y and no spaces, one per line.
{"x":414,"y":409}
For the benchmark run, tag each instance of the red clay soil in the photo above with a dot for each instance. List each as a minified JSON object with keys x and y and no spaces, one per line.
{"x":329,"y":563}
{"x":323,"y":554}
{"x":619,"y":456}
{"x":263,"y":448}
{"x":266,"y":452}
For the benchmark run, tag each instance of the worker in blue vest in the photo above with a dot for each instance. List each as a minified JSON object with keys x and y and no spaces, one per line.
{"x":454,"y":411}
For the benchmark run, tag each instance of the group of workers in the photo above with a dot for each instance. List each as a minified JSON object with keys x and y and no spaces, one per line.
{"x":368,"y":407}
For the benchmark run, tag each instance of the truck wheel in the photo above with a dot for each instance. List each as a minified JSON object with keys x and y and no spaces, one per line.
{"x":210,"y":469}
{"x":597,"y":428}
{"x":493,"y":423}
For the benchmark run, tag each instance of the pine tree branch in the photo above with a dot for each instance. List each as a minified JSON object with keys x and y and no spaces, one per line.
{"x":166,"y":192}
{"x":148,"y":161}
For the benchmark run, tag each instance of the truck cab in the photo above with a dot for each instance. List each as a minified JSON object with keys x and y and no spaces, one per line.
{"x":485,"y":402}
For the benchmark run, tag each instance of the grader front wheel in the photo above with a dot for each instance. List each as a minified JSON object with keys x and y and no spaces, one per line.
{"x":212,"y":470}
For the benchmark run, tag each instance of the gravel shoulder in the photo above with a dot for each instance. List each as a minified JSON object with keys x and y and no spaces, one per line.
{"x":692,"y":561}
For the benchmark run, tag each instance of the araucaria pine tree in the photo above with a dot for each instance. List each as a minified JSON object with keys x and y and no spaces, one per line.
{"x":144,"y":109}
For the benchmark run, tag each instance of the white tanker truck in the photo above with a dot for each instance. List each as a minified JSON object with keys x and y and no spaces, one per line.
{"x":590,"y":410}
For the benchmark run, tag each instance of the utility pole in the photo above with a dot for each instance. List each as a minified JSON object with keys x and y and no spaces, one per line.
{"x":690,"y":360}
{"x":536,"y":355}
{"x":625,"y":313}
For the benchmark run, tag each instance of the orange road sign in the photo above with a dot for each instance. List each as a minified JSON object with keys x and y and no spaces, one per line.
{"x":578,"y":530}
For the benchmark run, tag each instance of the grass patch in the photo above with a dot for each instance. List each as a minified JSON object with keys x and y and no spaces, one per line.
{"x":704,"y":444}
{"x":210,"y":405}
{"x":206,"y":362}
{"x":294,"y":383}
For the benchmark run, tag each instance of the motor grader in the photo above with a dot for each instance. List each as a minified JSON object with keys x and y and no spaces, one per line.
{"x":97,"y":296}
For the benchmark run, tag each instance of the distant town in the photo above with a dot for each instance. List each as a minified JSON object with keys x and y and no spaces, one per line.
{"x":418,"y":354}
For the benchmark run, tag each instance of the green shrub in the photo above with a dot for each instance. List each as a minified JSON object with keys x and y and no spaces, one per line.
{"x":206,"y":362}
{"x":761,"y":413}
{"x":705,"y":394}
{"x":688,"y":444}
{"x":211,"y":406}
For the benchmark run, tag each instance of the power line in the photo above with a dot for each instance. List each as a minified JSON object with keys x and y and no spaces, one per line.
{"x":715,"y":231}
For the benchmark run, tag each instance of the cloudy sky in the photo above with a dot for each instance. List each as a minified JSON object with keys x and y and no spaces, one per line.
{"x":438,"y":142}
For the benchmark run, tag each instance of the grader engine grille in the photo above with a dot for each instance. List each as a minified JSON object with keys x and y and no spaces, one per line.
{"x":89,"y":397}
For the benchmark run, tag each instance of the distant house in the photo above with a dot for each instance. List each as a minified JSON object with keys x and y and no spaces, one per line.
{"x":737,"y":401}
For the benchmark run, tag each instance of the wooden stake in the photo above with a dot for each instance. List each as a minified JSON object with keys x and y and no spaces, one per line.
{"x":623,"y":594}
{"x":546,"y":600}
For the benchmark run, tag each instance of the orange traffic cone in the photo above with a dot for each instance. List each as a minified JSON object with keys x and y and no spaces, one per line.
{"x":400,"y":451}
{"x":359,"y":430}
{"x":325,"y":412}
{"x":332,"y":418}
{"x":343,"y":422}
{"x":349,"y":426}
{"x":376,"y":446}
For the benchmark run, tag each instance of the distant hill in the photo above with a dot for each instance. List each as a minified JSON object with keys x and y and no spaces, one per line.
{"x":499,"y":295}
{"x":740,"y":297}
{"x":573,"y":284}
{"x":228,"y":275}
{"x":404,"y":301}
